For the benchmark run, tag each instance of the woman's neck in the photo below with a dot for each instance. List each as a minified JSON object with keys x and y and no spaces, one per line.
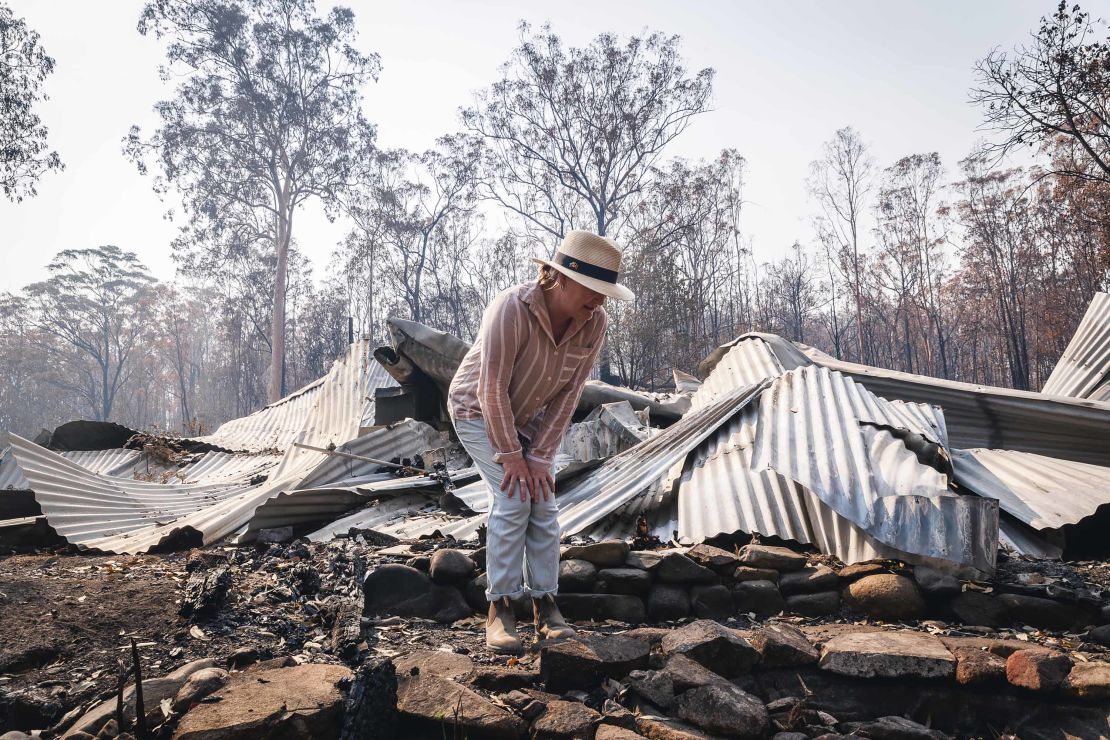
{"x":557,"y":314}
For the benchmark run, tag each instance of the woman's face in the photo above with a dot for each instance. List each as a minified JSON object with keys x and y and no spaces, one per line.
{"x":578,"y":300}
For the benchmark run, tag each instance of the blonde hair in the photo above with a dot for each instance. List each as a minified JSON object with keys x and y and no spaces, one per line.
{"x":548,"y":277}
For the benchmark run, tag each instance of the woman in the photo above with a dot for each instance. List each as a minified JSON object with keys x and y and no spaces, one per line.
{"x":511,"y":402}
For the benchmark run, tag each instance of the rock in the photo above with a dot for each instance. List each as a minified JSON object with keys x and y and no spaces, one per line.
{"x":808,"y":580}
{"x":242,"y":658}
{"x":205,"y":591}
{"x":677,"y":568}
{"x":434,"y":700}
{"x":748,"y":573}
{"x":581,"y":663}
{"x":631,"y":581}
{"x":370,"y":709}
{"x":761,"y":598}
{"x":618,"y":607}
{"x":685,"y":674}
{"x":975,"y":667}
{"x":820,"y":604}
{"x":859,"y":570}
{"x":667,"y":603}
{"x":980,"y":609}
{"x":451,"y":567}
{"x":406,"y":592}
{"x":1045,"y":613}
{"x":433,"y":663}
{"x":665,"y":728}
{"x":935,"y":582}
{"x":197,"y":686}
{"x":1100,"y":635}
{"x":612,"y":732}
{"x":790,"y":736}
{"x":617,"y":715}
{"x":578,"y":576}
{"x":154,"y":691}
{"x":1038,"y":669}
{"x":607,"y":554}
{"x":886,"y":596}
{"x":420,"y":562}
{"x":887,"y":655}
{"x":714,"y":558}
{"x":654,"y":686}
{"x":1089,"y":681}
{"x":475,"y":594}
{"x":304,"y":700}
{"x":725,"y":710}
{"x":502,"y":678}
{"x":898,"y":728}
{"x":783,"y":646}
{"x":643,"y":559}
{"x":712,"y":602}
{"x":274,"y":536}
{"x":565,"y":719}
{"x":776,"y":558}
{"x":712,"y":645}
{"x":16,"y":735}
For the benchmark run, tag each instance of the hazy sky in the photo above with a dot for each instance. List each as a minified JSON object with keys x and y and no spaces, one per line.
{"x":788,"y":75}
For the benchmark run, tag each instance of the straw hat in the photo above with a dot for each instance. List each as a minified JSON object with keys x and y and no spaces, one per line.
{"x":592,"y":260}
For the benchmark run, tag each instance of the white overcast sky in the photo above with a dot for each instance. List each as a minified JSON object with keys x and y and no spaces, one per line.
{"x":788,"y":75}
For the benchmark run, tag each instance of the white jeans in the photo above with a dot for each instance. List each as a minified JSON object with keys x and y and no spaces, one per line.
{"x":522,"y":537}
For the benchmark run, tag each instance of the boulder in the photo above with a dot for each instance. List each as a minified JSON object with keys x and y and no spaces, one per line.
{"x":301,"y":701}
{"x":667,"y":603}
{"x":433,"y":700}
{"x":1100,"y":635}
{"x":433,"y":663}
{"x":820,"y":604}
{"x":406,"y":592}
{"x":783,"y":646}
{"x":1045,"y":613}
{"x":618,"y":607}
{"x":420,"y":562}
{"x":665,"y":728}
{"x":975,"y":667}
{"x":776,"y":558}
{"x":935,"y":582}
{"x":607,"y":554}
{"x":653,"y":686}
{"x":714,"y":558}
{"x":808,"y":580}
{"x":898,"y":728}
{"x":613,"y":732}
{"x":724,"y":710}
{"x":581,"y":663}
{"x":685,"y":674}
{"x":748,"y":573}
{"x":677,"y":568}
{"x":577,"y":576}
{"x":859,"y":570}
{"x":451,"y":567}
{"x":631,"y":581}
{"x":1089,"y":681}
{"x":712,"y":602}
{"x":761,"y":598}
{"x":984,"y":610}
{"x":1038,"y":669}
{"x":887,"y":655}
{"x":565,"y":720}
{"x":886,"y":596}
{"x":502,"y":678}
{"x":644,"y":559}
{"x":712,"y":645}
{"x":197,"y":686}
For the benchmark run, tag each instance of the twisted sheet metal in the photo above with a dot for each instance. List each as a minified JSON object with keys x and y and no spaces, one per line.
{"x":1043,"y":492}
{"x":120,"y":515}
{"x":1084,"y":369}
{"x":746,"y":362}
{"x":810,"y":431}
{"x":642,"y":468}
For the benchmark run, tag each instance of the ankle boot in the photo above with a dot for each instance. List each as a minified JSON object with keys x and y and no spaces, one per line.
{"x":549,"y":620}
{"x":501,"y":628}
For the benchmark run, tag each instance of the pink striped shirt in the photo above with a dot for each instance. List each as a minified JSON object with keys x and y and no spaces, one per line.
{"x":518,"y":380}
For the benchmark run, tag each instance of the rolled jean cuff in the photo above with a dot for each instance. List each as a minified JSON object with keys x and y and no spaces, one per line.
{"x":537,"y":594}
{"x":511,"y":596}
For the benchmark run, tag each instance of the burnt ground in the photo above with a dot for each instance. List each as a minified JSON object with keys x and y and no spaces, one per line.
{"x":66,"y":620}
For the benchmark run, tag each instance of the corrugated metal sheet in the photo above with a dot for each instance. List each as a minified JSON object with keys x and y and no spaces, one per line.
{"x":119,"y":515}
{"x":810,"y":431}
{"x":642,"y":468}
{"x":747,"y":361}
{"x":1084,"y":369}
{"x":1043,"y":492}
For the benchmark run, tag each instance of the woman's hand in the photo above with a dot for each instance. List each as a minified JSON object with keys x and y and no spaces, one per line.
{"x":534,"y":479}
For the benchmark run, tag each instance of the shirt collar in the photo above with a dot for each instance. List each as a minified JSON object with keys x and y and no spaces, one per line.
{"x":534,"y":299}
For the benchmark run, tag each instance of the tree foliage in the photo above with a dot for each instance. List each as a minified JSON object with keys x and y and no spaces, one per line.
{"x":24,"y":67}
